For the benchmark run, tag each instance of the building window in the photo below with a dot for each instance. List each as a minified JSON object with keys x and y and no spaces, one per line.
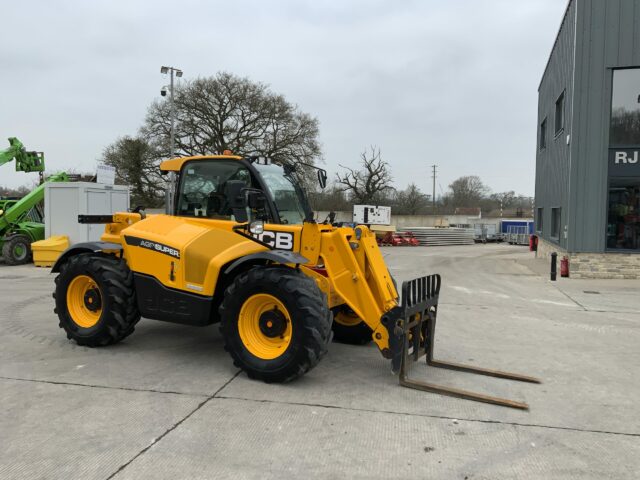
{"x":539,"y":216}
{"x":623,"y":219}
{"x":560,"y":113}
{"x":555,"y":223}
{"x":625,"y":108}
{"x":543,"y":134}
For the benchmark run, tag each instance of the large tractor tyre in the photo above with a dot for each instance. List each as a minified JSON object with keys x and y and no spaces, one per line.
{"x":349,"y":329}
{"x":17,"y":250}
{"x":275,"y":323}
{"x":96,"y":300}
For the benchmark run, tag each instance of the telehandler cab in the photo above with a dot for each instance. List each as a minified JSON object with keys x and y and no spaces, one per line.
{"x":240,"y":247}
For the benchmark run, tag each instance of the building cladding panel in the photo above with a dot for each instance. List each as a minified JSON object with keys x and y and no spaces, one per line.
{"x":553,"y":161}
{"x":596,"y":37}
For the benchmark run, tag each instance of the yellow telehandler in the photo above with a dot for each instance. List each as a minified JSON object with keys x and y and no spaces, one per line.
{"x":239,"y":246}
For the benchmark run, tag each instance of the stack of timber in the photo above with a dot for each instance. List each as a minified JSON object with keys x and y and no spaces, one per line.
{"x":433,"y":236}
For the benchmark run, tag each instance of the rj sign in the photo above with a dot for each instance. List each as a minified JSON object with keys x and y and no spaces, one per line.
{"x":624,"y":162}
{"x":625,"y":157}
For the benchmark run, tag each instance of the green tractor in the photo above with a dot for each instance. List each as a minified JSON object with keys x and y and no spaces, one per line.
{"x":21,"y":218}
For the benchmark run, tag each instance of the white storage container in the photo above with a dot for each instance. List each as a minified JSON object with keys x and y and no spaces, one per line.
{"x":64,"y":201}
{"x":371,"y":215}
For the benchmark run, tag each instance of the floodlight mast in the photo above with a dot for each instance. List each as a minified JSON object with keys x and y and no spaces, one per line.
{"x":170,"y":191}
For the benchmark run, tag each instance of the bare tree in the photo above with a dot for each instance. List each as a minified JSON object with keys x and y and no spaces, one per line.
{"x":214,"y":114}
{"x":17,"y":192}
{"x":332,"y":198}
{"x":411,"y":201}
{"x":509,"y":202}
{"x":367,"y":185}
{"x":227,"y":112}
{"x":506,"y":199}
{"x":467,"y":191}
{"x":135,"y":162}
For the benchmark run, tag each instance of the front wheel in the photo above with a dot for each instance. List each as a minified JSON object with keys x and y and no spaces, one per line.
{"x":95,"y":299}
{"x":17,"y":250}
{"x":275,"y":323}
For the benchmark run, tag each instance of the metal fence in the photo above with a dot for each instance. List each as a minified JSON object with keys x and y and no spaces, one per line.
{"x":517,"y":235}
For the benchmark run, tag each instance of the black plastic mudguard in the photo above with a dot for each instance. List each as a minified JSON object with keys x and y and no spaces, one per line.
{"x":279,"y":256}
{"x":84,"y":248}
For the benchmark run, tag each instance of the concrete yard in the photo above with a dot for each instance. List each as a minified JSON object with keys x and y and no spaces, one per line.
{"x":167,"y":402}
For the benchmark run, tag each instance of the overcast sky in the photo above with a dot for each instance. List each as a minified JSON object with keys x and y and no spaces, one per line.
{"x":452,"y":83}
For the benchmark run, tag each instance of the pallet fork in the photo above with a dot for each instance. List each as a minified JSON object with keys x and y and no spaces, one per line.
{"x":414,"y":325}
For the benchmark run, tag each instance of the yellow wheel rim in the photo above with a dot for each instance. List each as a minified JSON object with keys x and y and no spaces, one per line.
{"x":348,"y":319}
{"x":84,"y":301}
{"x":264,"y":325}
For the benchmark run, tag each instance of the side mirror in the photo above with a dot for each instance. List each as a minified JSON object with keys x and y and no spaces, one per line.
{"x":256,"y":200}
{"x":322,"y":178}
{"x":234,"y":193}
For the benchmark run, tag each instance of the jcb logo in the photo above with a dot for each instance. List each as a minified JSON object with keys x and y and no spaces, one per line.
{"x":624,"y":157}
{"x":279,"y":240}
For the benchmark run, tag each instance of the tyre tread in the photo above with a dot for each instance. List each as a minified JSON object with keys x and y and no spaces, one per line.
{"x":120,"y":318}
{"x":7,"y":248}
{"x":310,"y":306}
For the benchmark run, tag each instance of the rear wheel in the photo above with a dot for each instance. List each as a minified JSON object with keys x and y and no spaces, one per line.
{"x":95,"y":299}
{"x":17,"y":250}
{"x":275,"y":323}
{"x":350,"y":329}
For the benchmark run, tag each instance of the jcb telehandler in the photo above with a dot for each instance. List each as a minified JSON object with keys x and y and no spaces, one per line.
{"x":240,"y":247}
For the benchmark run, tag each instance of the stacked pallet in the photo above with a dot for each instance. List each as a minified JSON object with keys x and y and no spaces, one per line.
{"x":432,"y":236}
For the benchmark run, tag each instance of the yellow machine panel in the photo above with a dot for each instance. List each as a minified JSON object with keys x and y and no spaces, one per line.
{"x":189,"y":253}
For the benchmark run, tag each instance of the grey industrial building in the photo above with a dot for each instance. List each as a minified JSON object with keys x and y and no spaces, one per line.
{"x":588,"y":142}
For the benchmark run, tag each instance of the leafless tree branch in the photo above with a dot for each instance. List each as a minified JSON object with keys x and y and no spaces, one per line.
{"x":367,"y":184}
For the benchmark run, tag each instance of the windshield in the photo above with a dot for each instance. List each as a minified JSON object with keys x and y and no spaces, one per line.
{"x":203,"y":188}
{"x":286,"y":194}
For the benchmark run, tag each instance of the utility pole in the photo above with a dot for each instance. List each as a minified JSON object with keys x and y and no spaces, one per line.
{"x":172,"y":71}
{"x":173,"y":119}
{"x":433,"y":198}
{"x":172,"y":177}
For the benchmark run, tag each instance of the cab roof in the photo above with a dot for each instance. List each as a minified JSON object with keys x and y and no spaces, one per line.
{"x":175,"y":164}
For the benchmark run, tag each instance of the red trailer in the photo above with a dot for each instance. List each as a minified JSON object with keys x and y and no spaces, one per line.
{"x":392,"y":239}
{"x":410,"y":239}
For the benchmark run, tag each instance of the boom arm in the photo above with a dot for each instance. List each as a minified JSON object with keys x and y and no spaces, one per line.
{"x":25,"y":161}
{"x":17,"y":211}
{"x":358,"y":274}
{"x":404,"y":331}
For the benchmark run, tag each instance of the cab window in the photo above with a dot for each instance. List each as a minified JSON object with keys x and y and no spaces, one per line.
{"x":287,"y":196}
{"x":202,"y":188}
